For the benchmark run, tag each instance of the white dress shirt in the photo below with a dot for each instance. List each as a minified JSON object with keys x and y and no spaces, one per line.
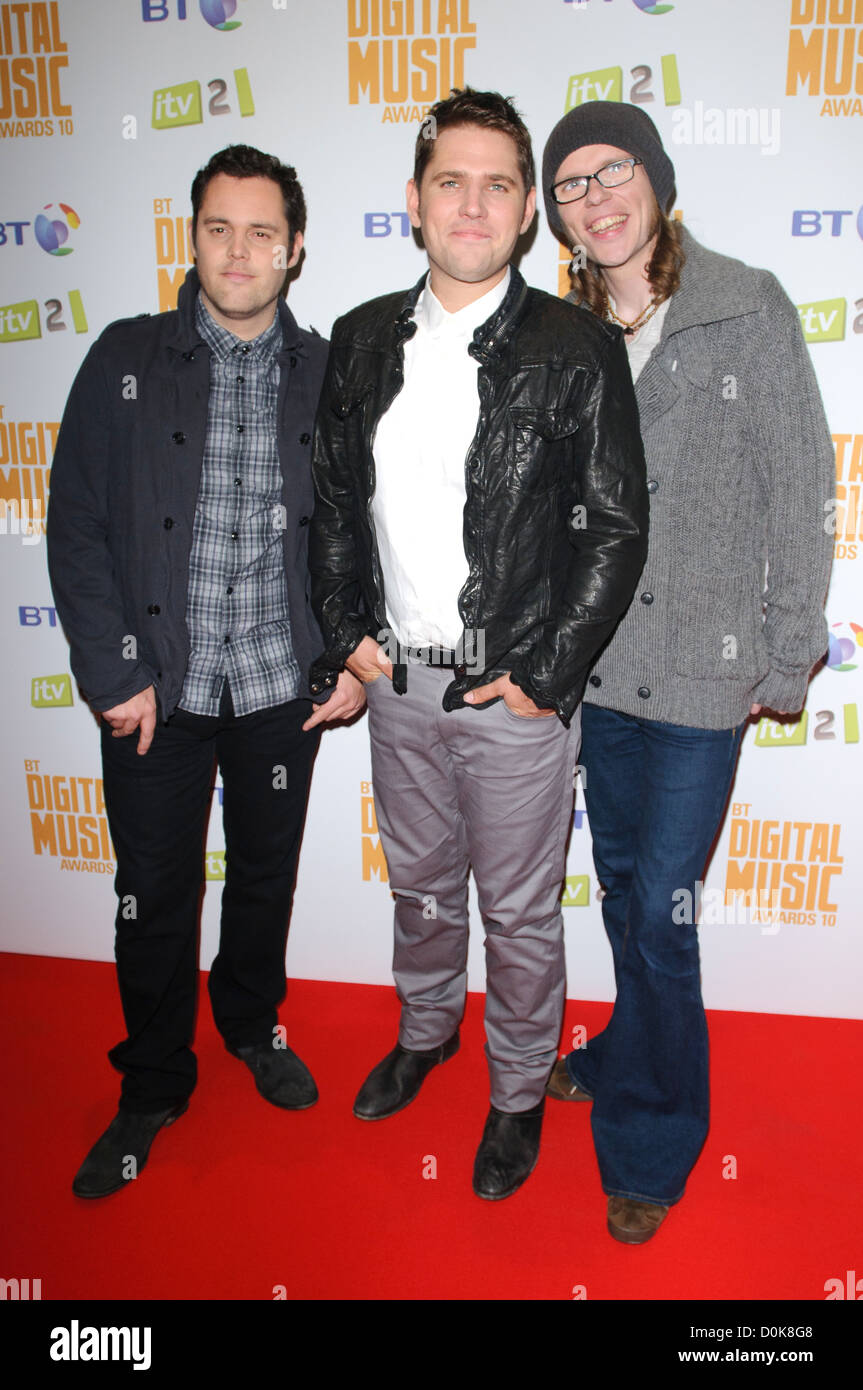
{"x":419,"y":451}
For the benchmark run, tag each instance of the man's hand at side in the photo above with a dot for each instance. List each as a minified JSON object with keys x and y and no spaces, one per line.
{"x":513,"y":697}
{"x":368,"y":661}
{"x":346,"y":700}
{"x":137,"y":713}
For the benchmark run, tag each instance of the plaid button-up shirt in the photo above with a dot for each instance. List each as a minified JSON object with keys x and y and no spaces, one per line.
{"x":237,"y":612}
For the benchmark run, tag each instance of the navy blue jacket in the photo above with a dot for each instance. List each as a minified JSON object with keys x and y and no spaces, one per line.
{"x":124,"y":488}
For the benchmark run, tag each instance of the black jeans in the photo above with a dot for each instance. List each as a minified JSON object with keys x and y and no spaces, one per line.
{"x":157,"y":809}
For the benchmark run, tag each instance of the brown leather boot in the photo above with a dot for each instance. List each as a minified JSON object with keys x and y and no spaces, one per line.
{"x":634,"y":1222}
{"x":561,"y":1086}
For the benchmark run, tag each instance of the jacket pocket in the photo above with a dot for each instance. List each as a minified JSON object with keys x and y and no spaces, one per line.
{"x":717,"y":627}
{"x":537,"y":446}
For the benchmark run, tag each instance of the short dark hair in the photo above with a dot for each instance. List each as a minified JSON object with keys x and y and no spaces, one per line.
{"x":465,"y":106}
{"x":245,"y":162}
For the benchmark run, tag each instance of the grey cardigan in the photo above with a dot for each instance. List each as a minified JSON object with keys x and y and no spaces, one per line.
{"x":729,"y":609}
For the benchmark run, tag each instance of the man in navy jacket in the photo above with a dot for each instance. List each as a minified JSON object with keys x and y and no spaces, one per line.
{"x":177,"y":544}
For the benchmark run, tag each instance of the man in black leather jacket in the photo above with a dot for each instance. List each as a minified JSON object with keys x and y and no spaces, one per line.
{"x":479,"y":529}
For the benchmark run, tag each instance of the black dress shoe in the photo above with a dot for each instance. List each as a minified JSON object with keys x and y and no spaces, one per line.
{"x":121,"y":1152}
{"x":507,"y":1153}
{"x":280,"y":1076}
{"x":396,"y":1080}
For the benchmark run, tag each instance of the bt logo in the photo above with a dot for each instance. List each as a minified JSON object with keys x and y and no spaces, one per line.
{"x":646,"y":6}
{"x":217,"y":13}
{"x":30,"y":616}
{"x":52,"y":233}
{"x":846,"y":642}
{"x":378,"y":223}
{"x":807,"y":222}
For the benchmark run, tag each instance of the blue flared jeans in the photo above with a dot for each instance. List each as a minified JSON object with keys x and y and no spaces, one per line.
{"x":655,"y":797}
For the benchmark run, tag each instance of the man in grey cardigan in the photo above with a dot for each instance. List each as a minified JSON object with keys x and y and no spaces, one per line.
{"x":727,"y":619}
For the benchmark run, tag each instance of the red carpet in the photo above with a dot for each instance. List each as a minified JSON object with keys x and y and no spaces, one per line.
{"x":239,"y":1198}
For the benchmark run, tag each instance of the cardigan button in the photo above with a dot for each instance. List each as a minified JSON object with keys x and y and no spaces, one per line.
{"x":652,"y":485}
{"x":178,"y":437}
{"x":596,"y":681}
{"x":168,"y":522}
{"x":647,"y":597}
{"x":154,"y":610}
{"x":644,"y":692}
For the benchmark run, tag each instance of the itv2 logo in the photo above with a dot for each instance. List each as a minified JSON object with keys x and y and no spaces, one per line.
{"x":217,"y":13}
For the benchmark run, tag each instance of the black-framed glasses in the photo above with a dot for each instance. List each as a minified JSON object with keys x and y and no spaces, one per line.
{"x":611,"y":175}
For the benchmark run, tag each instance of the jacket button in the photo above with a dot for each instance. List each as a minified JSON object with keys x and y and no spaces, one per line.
{"x":647,"y":597}
{"x":652,"y":485}
{"x":178,"y":437}
{"x":315,"y":687}
{"x":644,"y":692}
{"x":596,"y":680}
{"x":168,"y":522}
{"x":304,"y":438}
{"x":460,"y":671}
{"x":304,"y":521}
{"x":154,"y":610}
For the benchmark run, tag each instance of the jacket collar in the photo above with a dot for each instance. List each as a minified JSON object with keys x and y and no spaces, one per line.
{"x":490,"y":338}
{"x":707,"y":293}
{"x":186,"y":338}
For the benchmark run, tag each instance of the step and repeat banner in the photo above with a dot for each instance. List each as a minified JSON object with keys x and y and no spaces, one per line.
{"x":108,"y":108}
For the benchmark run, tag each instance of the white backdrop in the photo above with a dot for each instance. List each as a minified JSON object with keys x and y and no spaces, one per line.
{"x":759,"y":108}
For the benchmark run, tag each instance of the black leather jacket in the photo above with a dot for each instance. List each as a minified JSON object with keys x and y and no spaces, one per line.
{"x":555,"y":524}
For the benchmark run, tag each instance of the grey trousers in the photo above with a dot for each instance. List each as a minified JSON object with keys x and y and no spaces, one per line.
{"x":492,"y":790}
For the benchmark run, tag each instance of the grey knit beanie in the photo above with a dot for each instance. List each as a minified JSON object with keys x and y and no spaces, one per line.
{"x":606,"y":123}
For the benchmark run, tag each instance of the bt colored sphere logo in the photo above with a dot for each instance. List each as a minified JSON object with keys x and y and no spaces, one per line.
{"x":648,"y":7}
{"x":218,"y":13}
{"x":52,"y":230}
{"x":846,"y":641}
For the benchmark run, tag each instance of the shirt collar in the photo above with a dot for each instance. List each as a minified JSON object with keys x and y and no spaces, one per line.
{"x":224,"y":344}
{"x":435,"y":320}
